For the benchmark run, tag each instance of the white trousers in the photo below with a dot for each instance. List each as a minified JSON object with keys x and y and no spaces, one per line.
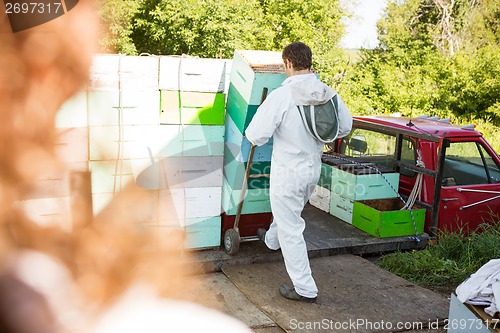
{"x":290,"y":190}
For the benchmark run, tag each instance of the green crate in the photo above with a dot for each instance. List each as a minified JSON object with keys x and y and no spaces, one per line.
{"x":256,"y":200}
{"x":234,"y":172}
{"x":325,"y":177}
{"x":203,"y":232}
{"x":383,"y":218}
{"x":194,"y":108}
{"x":239,"y":109}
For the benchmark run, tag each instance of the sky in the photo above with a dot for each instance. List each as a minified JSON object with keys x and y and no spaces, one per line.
{"x":361,"y":28}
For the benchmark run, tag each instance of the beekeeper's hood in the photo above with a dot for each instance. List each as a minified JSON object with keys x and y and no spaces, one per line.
{"x":309,"y":90}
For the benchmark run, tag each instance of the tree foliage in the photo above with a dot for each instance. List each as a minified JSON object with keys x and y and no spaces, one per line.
{"x":215,"y":28}
{"x":116,"y":25}
{"x":436,"y":57}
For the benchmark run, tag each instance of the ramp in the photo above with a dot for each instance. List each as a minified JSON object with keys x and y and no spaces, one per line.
{"x":355,"y":296}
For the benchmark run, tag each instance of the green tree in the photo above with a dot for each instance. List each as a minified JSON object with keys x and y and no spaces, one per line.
{"x":428,"y":61}
{"x":210,"y":28}
{"x":116,"y":25}
{"x":215,"y":28}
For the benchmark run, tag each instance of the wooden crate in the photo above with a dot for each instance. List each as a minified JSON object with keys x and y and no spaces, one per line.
{"x":239,"y":109}
{"x":195,"y":202}
{"x":73,"y":112}
{"x":192,"y":107}
{"x":469,"y":318}
{"x":325,"y":177}
{"x":138,"y":73}
{"x":320,"y":198}
{"x":192,"y":74}
{"x":104,"y":72}
{"x":203,"y":232}
{"x":256,"y":200}
{"x":240,"y":146}
{"x":364,"y":186}
{"x":139,"y":107}
{"x":341,"y":207}
{"x":234,"y":172}
{"x":251,"y":73}
{"x":102,"y":107}
{"x":384,"y":218}
{"x":191,"y":140}
{"x":126,"y":142}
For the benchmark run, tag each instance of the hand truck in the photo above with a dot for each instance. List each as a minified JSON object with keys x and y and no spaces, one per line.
{"x":232,"y":237}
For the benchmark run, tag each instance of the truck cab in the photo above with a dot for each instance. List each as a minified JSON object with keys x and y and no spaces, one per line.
{"x":451,"y":171}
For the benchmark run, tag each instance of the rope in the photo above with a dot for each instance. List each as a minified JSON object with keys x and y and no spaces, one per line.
{"x":417,"y":188}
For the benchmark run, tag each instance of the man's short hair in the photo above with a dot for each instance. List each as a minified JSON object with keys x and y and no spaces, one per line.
{"x":299,"y":54}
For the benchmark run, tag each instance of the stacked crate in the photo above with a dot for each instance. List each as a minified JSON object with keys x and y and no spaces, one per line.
{"x":49,"y":202}
{"x":320,"y":198}
{"x":343,"y":182}
{"x":254,"y":74}
{"x":123,"y":115}
{"x":192,"y":150}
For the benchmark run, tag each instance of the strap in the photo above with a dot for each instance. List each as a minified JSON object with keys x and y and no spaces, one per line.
{"x":304,"y":120}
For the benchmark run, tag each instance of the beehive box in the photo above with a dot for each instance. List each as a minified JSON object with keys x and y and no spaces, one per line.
{"x":252,"y":73}
{"x":353,"y":185}
{"x":384,"y":218}
{"x":240,"y":146}
{"x":325,"y":177}
{"x":464,"y":317}
{"x":203,"y":233}
{"x":191,"y":140}
{"x":197,"y":108}
{"x":320,"y":198}
{"x":341,"y":207}
{"x":234,"y":172}
{"x":256,"y":200}
{"x":192,"y":74}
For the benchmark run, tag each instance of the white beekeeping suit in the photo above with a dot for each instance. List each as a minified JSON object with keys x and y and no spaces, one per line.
{"x":295,"y":169}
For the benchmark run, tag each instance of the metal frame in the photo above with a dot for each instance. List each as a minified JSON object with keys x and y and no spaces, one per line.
{"x":437,"y":174}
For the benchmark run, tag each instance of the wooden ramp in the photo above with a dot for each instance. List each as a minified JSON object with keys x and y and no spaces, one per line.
{"x":355,"y":296}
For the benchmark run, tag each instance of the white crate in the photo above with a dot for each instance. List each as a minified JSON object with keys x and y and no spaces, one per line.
{"x":73,"y":113}
{"x":139,"y":73}
{"x":192,"y":74}
{"x":321,"y":198}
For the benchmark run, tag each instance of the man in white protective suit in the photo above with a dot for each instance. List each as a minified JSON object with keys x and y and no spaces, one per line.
{"x":295,"y":165}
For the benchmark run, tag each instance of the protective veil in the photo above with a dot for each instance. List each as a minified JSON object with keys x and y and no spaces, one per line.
{"x":295,"y":169}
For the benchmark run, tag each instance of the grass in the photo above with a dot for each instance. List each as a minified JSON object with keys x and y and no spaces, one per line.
{"x":445,"y":264}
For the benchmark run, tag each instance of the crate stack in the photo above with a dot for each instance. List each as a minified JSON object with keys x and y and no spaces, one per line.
{"x":342,"y":182}
{"x":321,"y":196}
{"x":192,"y":151}
{"x":123,"y":115}
{"x":49,"y":202}
{"x":254,"y":74}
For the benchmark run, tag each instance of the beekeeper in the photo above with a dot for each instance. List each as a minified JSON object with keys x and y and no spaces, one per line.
{"x":295,"y":166}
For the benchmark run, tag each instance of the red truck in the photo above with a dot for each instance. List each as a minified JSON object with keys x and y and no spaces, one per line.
{"x":460,"y":171}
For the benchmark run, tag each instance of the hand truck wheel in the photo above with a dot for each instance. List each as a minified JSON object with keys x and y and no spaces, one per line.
{"x":231,"y":241}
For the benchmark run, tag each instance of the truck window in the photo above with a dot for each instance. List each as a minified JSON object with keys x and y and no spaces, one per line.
{"x":468,"y":163}
{"x":493,"y":169}
{"x":378,"y":148}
